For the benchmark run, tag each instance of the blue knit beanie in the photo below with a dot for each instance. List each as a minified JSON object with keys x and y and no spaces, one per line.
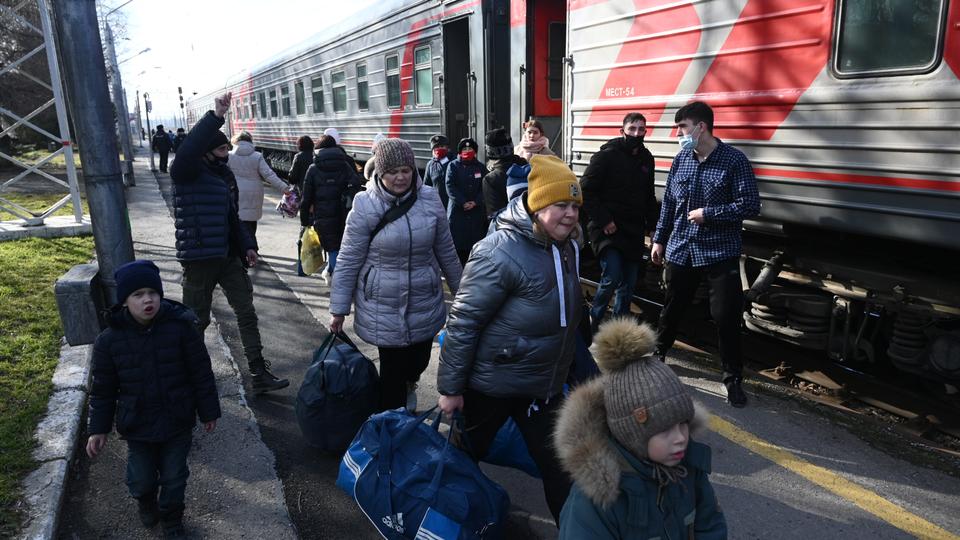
{"x":517,"y":180}
{"x":137,"y":275}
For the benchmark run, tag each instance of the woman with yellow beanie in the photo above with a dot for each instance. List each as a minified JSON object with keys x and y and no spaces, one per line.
{"x":511,"y":330}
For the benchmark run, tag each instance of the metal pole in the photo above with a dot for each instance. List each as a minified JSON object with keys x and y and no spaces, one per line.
{"x":146,"y":107}
{"x":139,"y":121}
{"x":61,"y":107}
{"x":123,"y":119}
{"x":86,"y":79}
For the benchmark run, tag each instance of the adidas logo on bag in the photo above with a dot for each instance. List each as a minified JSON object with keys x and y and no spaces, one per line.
{"x":395,"y":522}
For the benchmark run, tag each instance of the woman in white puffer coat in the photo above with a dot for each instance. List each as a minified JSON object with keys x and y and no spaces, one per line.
{"x":251,"y":170}
{"x":392,"y":275}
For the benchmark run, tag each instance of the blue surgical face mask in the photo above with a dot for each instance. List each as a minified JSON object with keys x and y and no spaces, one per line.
{"x":689,"y":142}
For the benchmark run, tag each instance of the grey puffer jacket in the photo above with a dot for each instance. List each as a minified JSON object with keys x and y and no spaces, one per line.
{"x":511,"y":329}
{"x":394,"y":281}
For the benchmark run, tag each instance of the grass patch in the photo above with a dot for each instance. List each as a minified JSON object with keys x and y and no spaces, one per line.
{"x":59,"y":162}
{"x":30,"y":332}
{"x":38,"y":202}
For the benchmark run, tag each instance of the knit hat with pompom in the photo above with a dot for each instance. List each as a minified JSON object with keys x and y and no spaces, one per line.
{"x":642,"y":395}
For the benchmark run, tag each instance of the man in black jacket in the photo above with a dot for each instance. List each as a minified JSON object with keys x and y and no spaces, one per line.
{"x":620,"y":203}
{"x":212,"y":244}
{"x":500,"y":157}
{"x":161,"y":144}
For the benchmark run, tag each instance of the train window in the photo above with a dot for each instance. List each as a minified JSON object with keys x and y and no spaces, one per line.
{"x":879,"y":38}
{"x":423,"y":76}
{"x":253,"y":105}
{"x":316,"y":88}
{"x":363,"y":88}
{"x":300,"y":97}
{"x":273,"y":104}
{"x":338,"y":79}
{"x":393,"y":81}
{"x":245,"y":108}
{"x":285,"y":100}
{"x":262,"y":100}
{"x":556,"y":48}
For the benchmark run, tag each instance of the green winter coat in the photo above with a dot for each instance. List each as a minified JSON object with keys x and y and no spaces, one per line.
{"x":615,"y":495}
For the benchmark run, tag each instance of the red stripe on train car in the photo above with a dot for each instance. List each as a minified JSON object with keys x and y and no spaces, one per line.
{"x":406,"y":66}
{"x":657,"y":79}
{"x":759,"y":61}
{"x":952,"y":50}
{"x":847,"y":178}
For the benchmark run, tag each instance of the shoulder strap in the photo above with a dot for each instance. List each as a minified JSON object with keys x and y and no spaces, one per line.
{"x":394,"y":213}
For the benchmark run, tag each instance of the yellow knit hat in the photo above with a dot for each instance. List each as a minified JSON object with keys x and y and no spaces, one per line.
{"x":551,"y":181}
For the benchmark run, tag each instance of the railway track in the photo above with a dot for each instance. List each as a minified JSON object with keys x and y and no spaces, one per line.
{"x":918,"y":410}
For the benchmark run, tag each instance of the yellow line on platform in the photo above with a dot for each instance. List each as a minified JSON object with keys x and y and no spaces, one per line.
{"x":833,"y":482}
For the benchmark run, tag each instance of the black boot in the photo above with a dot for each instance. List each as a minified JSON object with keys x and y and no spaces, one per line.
{"x":264,"y":381}
{"x":735,"y":394}
{"x":148,"y":511}
{"x":172,"y":521}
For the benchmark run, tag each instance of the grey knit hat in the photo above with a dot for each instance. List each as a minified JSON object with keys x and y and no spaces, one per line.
{"x":642,"y":395}
{"x":393,"y":153}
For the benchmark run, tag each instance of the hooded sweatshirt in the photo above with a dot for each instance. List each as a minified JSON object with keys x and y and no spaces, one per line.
{"x":251,"y":170}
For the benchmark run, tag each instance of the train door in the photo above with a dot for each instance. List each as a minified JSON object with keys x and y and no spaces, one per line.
{"x":541,"y":25}
{"x":458,"y":87}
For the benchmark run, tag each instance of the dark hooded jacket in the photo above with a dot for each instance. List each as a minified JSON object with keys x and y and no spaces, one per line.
{"x":328,"y":181}
{"x":513,"y":322}
{"x":205,"y":200}
{"x":464,"y":181}
{"x":161,"y":142}
{"x":178,"y":140}
{"x":618,"y":187}
{"x":301,"y":162}
{"x":495,"y":183}
{"x":156,"y":380}
{"x":617,"y":496}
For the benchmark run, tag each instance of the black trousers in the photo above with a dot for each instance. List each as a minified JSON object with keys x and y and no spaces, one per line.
{"x":484,"y":415}
{"x":163,"y":161}
{"x":251,"y":228}
{"x":399,"y":366}
{"x":726,"y":308}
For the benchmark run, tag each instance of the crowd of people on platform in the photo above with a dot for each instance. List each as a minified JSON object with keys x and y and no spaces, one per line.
{"x":504,"y":238}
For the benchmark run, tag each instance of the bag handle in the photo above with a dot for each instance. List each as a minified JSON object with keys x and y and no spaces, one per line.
{"x":387,"y":444}
{"x":328,"y":344}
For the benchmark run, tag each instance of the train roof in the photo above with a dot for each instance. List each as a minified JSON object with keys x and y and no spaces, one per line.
{"x":332,"y":33}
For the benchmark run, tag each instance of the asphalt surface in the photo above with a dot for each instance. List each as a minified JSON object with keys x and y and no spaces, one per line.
{"x":795,"y":490}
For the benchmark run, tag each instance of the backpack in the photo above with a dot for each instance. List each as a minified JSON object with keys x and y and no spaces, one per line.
{"x":340,"y":390}
{"x":411,"y":482}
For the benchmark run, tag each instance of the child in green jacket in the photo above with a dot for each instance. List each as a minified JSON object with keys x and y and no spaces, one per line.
{"x":624,"y":438}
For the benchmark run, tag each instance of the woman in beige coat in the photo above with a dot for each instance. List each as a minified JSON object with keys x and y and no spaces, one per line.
{"x":251,"y":170}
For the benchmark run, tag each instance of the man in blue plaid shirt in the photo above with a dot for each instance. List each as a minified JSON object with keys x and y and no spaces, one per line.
{"x":711,"y":189}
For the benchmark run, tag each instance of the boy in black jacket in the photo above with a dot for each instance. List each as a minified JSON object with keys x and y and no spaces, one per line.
{"x":151,"y":370}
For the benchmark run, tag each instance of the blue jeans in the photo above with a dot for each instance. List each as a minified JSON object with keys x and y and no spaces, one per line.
{"x":617,"y":273}
{"x":160,"y":465}
{"x":331,"y":261}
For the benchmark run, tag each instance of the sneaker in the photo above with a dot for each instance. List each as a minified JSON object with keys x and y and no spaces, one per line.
{"x":325,"y":276}
{"x":735,"y":395}
{"x":411,"y":397}
{"x":660,"y":355}
{"x":264,"y":381}
{"x":149,"y":513}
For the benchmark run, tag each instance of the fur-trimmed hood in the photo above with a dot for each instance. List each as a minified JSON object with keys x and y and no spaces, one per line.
{"x":587,"y":450}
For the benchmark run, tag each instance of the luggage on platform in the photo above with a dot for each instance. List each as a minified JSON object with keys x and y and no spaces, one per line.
{"x":311,"y":252}
{"x":411,"y":482}
{"x":339,"y":392}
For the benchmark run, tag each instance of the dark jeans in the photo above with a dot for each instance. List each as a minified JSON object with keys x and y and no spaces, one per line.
{"x":463,"y":255}
{"x":399,"y":366}
{"x":617,"y":274}
{"x":200,"y":278}
{"x":160,"y":465}
{"x":726,"y":307}
{"x":485,"y":415}
{"x":163,"y":161}
{"x":251,"y":228}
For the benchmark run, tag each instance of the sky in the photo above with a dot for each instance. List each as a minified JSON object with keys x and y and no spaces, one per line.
{"x":200,"y":44}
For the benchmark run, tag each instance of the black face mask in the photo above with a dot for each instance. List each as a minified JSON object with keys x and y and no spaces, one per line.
{"x":631,"y":142}
{"x":213,"y":159}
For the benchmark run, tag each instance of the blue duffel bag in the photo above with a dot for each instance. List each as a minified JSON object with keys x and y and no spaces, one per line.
{"x":412,"y":483}
{"x":339,"y":392}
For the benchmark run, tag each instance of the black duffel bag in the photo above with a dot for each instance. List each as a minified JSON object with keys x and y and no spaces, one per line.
{"x":339,"y":392}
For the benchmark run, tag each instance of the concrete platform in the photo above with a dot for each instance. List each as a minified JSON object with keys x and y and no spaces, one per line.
{"x":53,"y":227}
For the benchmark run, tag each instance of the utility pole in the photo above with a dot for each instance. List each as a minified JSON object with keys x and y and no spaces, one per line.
{"x":147,"y":105}
{"x":123,"y":118}
{"x":86,"y":80}
{"x":139,"y":121}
